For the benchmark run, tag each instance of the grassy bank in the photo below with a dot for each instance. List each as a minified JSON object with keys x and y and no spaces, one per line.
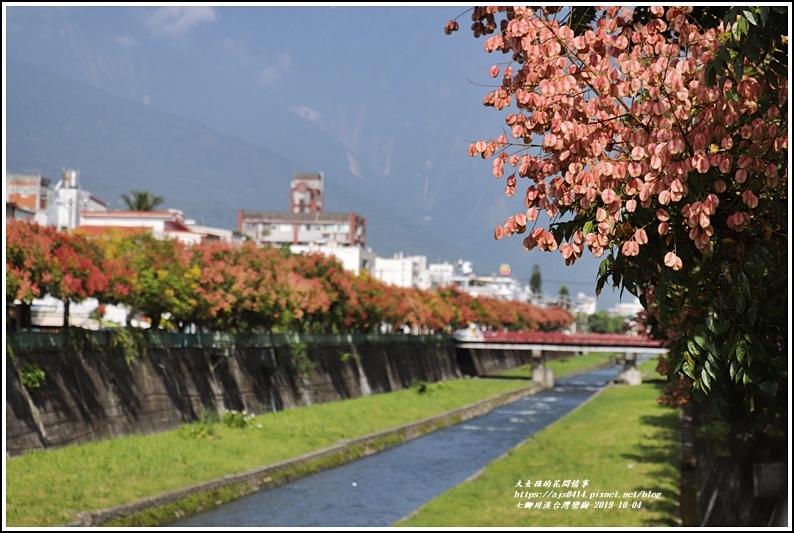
{"x":563,"y":366}
{"x":47,"y":488}
{"x":620,"y":442}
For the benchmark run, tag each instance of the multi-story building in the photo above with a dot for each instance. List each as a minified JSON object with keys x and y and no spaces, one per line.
{"x":439,"y":275}
{"x":13,"y":211}
{"x":69,"y":201}
{"x":501,"y":287}
{"x":305,"y":223}
{"x":355,"y":259}
{"x":30,"y":193}
{"x":402,"y":271}
{"x":59,"y":206}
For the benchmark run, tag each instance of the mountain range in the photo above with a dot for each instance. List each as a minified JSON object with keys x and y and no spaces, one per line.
{"x":118,"y":145}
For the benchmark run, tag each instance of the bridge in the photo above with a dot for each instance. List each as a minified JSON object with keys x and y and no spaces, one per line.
{"x":557,"y":342}
{"x":484,"y":353}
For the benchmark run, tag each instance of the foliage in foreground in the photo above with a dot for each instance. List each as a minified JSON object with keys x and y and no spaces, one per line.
{"x":657,"y":138}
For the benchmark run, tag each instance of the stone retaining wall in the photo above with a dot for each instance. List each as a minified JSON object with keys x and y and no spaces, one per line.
{"x":93,"y":396}
{"x":723,"y":481}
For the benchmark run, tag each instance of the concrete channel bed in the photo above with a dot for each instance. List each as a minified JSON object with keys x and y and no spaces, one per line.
{"x":177,"y":503}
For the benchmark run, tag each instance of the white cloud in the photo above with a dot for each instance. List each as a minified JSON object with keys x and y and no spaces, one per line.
{"x":177,"y":21}
{"x":353,"y":165}
{"x":269,"y":75}
{"x":284,"y":59}
{"x":387,"y":159}
{"x":308,"y":113}
{"x":237,"y":50}
{"x":126,"y":41}
{"x":147,"y":100}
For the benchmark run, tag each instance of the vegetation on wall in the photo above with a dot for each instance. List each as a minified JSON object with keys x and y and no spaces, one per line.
{"x":32,"y":376}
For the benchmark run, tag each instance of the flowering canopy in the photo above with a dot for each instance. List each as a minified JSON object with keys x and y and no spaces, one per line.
{"x":656,"y":138}
{"x":240,"y":288}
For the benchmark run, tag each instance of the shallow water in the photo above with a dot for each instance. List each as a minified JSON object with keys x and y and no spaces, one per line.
{"x":378,"y":490}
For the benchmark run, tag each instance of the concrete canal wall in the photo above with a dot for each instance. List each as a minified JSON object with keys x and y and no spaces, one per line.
{"x":88,"y":395}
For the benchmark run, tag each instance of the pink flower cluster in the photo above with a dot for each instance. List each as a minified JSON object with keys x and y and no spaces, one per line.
{"x":618,"y":120}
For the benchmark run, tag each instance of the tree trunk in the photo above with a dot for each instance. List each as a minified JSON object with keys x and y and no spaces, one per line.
{"x":66,"y":314}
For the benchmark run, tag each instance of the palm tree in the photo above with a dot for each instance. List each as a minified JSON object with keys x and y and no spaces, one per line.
{"x":565,"y":297}
{"x":535,"y":283}
{"x":141,"y":200}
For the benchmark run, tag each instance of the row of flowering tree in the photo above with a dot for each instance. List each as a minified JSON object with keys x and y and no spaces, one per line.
{"x":244,"y":288}
{"x":657,"y":138}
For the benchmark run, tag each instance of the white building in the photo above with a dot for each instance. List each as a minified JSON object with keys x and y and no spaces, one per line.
{"x":47,"y":314}
{"x":585,"y":304}
{"x":355,"y":259}
{"x":402,"y":271}
{"x":439,"y":275}
{"x":209,"y":233}
{"x":59,"y":206}
{"x":630,"y":308}
{"x":501,"y":287}
{"x":163,"y":224}
{"x":69,"y":200}
{"x":306,"y":222}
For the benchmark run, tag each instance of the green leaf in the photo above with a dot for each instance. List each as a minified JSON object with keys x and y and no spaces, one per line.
{"x":738,"y":68}
{"x":740,"y":303}
{"x":740,"y":351}
{"x":771,"y":79}
{"x":764,"y":12}
{"x":768,"y":388}
{"x":709,"y":368}
{"x":753,"y":340}
{"x":743,"y":27}
{"x":712,"y":349}
{"x":705,"y":381}
{"x":604,"y":266}
{"x":723,"y":327}
{"x":744,"y":285}
{"x":752,"y":313}
{"x":686,"y":368}
{"x":750,"y":16}
{"x":692,"y":347}
{"x":701,"y":340}
{"x":711,"y":72}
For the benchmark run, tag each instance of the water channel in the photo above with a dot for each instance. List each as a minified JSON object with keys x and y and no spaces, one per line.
{"x":380,"y":489}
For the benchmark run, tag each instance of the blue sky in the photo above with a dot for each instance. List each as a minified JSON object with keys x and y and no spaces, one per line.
{"x":384,"y":81}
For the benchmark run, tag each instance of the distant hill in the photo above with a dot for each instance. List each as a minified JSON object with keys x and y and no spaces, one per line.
{"x":54,"y":123}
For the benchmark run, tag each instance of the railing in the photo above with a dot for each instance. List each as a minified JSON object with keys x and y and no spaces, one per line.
{"x":33,"y":340}
{"x":536,"y":337}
